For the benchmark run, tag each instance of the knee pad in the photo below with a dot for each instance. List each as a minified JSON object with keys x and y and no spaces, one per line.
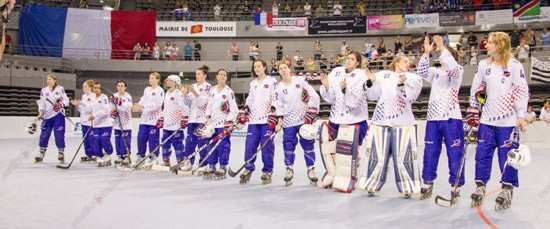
{"x":377,"y":152}
{"x":407,"y":173}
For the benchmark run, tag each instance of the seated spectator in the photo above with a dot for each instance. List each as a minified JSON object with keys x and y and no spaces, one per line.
{"x":274,"y":68}
{"x":156,"y":51}
{"x":287,"y":10}
{"x":522,"y":51}
{"x":311,"y":65}
{"x":531,"y":115}
{"x":545,"y":112}
{"x":279,"y":51}
{"x":545,"y":39}
{"x":175,"y":52}
{"x":197,"y":50}
{"x":361,"y":8}
{"x":323,"y":62}
{"x":178,"y":12}
{"x":275,"y":9}
{"x":473,"y":56}
{"x":234,"y":51}
{"x":167,"y":50}
{"x":137,"y":51}
{"x":317,"y":50}
{"x":337,"y":9}
{"x":319,"y":11}
{"x":333,"y":62}
{"x":217,"y":12}
{"x":299,"y":62}
{"x":344,"y":48}
{"x":254,"y":50}
{"x":381,"y":46}
{"x":307,"y":9}
{"x":188,"y":51}
{"x":407,"y":46}
{"x":146,"y":52}
{"x":398,"y":46}
{"x":472,"y":40}
{"x":187,"y":15}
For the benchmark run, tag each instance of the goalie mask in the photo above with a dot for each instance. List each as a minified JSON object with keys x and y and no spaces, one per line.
{"x":308,"y":132}
{"x":205,"y":131}
{"x":520,"y":157}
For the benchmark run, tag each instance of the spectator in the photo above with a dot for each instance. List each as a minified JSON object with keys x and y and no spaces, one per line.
{"x":279,"y":51}
{"x":146,"y":52}
{"x":187,"y":16}
{"x":473,"y":56}
{"x":156,"y":51}
{"x":461,"y":42}
{"x":188,"y":51}
{"x":319,"y":11}
{"x":317,"y":50}
{"x":545,"y":112}
{"x":254,"y":50}
{"x":461,"y":55}
{"x":197,"y":50}
{"x":287,"y":9}
{"x":344,"y":48}
{"x":515,"y":36}
{"x":323,"y":63}
{"x":472,"y":40}
{"x":381,"y":46}
{"x":178,"y":12}
{"x":361,"y":8}
{"x":217,"y":11}
{"x":398,"y":46}
{"x":274,"y":71}
{"x":299,"y":62}
{"x":332,"y":62}
{"x":311,"y":65}
{"x":137,"y":51}
{"x":545,"y":39}
{"x":531,"y":38}
{"x":337,"y":9}
{"x":408,"y":47}
{"x":531,"y":115}
{"x":175,"y":51}
{"x":483,"y":45}
{"x":167,"y":50}
{"x":299,"y":11}
{"x":446,"y":39}
{"x":275,"y":9}
{"x":307,"y":9}
{"x":234,"y":51}
{"x":522,"y":51}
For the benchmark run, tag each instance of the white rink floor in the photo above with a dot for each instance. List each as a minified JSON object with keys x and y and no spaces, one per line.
{"x":41,"y":196}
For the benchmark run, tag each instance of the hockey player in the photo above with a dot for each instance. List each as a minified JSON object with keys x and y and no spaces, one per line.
{"x":51,"y":110}
{"x":444,"y":118}
{"x":84,"y":107}
{"x":197,"y":100}
{"x":103,"y":127}
{"x":501,"y":78}
{"x":150,"y":106}
{"x":393,"y":130}
{"x":221,"y":113}
{"x":343,"y":89}
{"x":298,"y":104}
{"x":262,"y":122}
{"x":174,"y":118}
{"x":122,"y":114}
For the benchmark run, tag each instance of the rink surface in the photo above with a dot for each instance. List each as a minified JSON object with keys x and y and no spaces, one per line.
{"x":42,"y":196}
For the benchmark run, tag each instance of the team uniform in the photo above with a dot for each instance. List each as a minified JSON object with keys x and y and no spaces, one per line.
{"x":222,"y":111}
{"x":51,"y":104}
{"x":349,"y":109}
{"x":444,"y":121}
{"x":259,"y":104}
{"x":292,"y":102}
{"x":102,"y":129}
{"x":393,"y":133}
{"x":122,"y":114}
{"x":85,"y":110}
{"x":173,"y":112}
{"x":197,"y":117}
{"x":148,"y":133}
{"x":507,"y":95}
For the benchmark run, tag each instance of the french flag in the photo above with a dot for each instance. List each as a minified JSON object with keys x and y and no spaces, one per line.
{"x":83,"y":33}
{"x":263,"y":18}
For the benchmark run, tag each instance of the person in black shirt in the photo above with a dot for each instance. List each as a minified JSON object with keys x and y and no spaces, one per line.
{"x":279,"y":50}
{"x":196,"y":50}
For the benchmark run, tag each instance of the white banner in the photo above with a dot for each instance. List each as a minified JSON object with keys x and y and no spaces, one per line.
{"x":196,"y":29}
{"x":544,"y":16}
{"x":494,"y":17}
{"x":422,"y":20}
{"x":288,"y":24}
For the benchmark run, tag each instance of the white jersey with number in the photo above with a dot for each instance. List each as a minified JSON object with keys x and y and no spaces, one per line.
{"x":101,"y":111}
{"x":348,"y":106}
{"x":446,"y":81}
{"x":124,"y":111}
{"x":198,"y":104}
{"x":289,"y":101}
{"x":394,"y":102}
{"x":174,"y":109}
{"x":48,"y":98}
{"x":507,"y":92}
{"x":85,"y":108}
{"x":222,"y":106}
{"x":151,"y":101}
{"x":260,"y":99}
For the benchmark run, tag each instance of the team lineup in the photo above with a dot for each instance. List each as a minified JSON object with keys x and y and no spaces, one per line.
{"x":196,"y":122}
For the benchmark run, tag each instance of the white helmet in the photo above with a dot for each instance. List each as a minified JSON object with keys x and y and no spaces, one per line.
{"x":520,"y":157}
{"x":206,"y":131}
{"x":308,"y":132}
{"x":176,"y":79}
{"x":31,"y":128}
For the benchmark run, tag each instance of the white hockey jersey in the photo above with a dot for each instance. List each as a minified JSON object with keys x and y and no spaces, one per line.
{"x":260,"y":99}
{"x":394,"y":103}
{"x":507,"y":92}
{"x":446,"y":81}
{"x":174,"y":109}
{"x":124,"y":111}
{"x":48,"y":98}
{"x":349,"y":107}
{"x":152,"y":105}
{"x":101,"y":111}
{"x":85,"y":108}
{"x":289,"y":104}
{"x":544,"y":115}
{"x":198,"y":104}
{"x":221,"y":107}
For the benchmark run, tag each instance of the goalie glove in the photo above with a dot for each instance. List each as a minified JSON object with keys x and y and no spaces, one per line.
{"x":114,"y":114}
{"x":242,"y":116}
{"x":58,"y":106}
{"x":160,"y":123}
{"x":184,"y":122}
{"x":472,"y":116}
{"x":311,"y":115}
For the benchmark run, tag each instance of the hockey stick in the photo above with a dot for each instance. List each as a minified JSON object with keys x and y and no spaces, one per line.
{"x":63,"y":111}
{"x":446,"y":202}
{"x":77,"y":150}
{"x":270,"y":139}
{"x":152,"y":153}
{"x":126,"y":146}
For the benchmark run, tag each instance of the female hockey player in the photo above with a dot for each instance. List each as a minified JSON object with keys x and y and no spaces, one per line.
{"x":393,"y":130}
{"x":122,"y":114}
{"x":298,"y":104}
{"x":501,"y":79}
{"x":103,"y":127}
{"x":343,"y":89}
{"x":197,"y":100}
{"x":262,"y":122}
{"x":444,"y":118}
{"x":84,"y":107}
{"x":221,"y":112}
{"x":150,"y":106}
{"x":51,"y":110}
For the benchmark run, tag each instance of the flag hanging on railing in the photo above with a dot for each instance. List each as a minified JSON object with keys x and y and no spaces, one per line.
{"x":263,"y":18}
{"x":540,"y":70}
{"x":523,"y":8}
{"x":83,"y":33}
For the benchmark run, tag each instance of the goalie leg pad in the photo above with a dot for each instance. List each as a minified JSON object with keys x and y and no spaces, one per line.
{"x":405,"y":154}
{"x":378,"y":154}
{"x":327,"y":147}
{"x":345,"y":159}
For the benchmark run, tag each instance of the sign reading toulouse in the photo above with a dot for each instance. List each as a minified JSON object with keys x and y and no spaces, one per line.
{"x":196,"y":29}
{"x":421,"y":20}
{"x":337,"y":25}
